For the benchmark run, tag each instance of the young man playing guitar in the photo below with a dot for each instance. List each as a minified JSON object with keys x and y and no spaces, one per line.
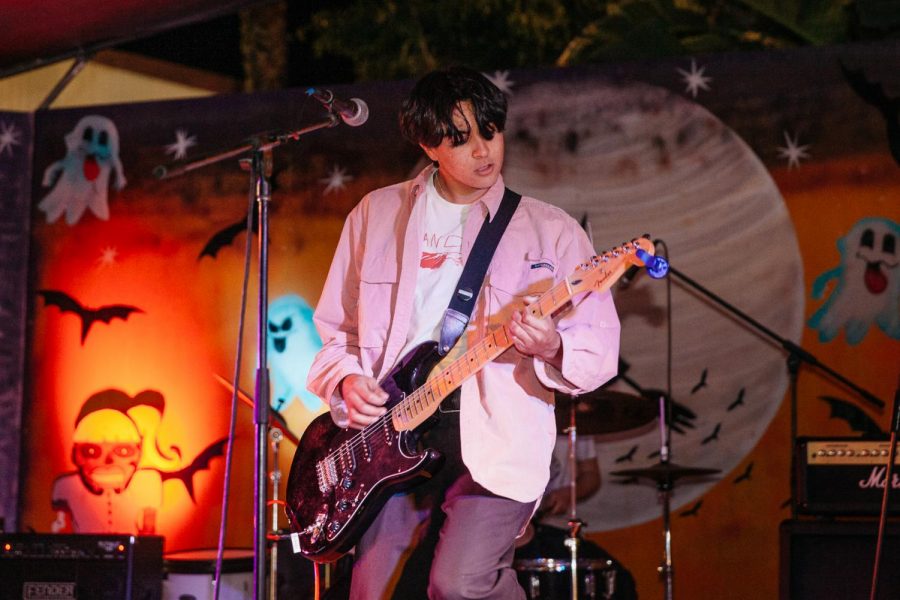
{"x":395,"y":270}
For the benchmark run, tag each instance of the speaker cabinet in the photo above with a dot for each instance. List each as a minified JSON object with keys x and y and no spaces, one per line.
{"x":834,"y":559}
{"x":66,"y":567}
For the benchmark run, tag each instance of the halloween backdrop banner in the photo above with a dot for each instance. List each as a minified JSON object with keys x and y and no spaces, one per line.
{"x":772,"y":180}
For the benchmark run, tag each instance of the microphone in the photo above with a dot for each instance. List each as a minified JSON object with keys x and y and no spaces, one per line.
{"x":353,"y":112}
{"x":656,"y":266}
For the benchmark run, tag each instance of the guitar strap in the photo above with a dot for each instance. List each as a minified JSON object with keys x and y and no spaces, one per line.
{"x":456,"y":317}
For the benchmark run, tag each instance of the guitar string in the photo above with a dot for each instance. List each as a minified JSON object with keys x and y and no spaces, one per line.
{"x":350,"y":446}
{"x":360,"y":438}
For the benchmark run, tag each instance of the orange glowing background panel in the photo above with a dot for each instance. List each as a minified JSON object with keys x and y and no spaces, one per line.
{"x":183,"y":333}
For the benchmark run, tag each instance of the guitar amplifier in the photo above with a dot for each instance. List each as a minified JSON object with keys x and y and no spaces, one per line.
{"x":36,"y":566}
{"x":844,"y":476}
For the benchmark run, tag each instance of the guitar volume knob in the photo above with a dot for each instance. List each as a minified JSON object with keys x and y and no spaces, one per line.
{"x":346,"y":483}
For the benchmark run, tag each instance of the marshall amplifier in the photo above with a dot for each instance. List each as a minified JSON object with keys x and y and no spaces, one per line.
{"x":67,"y":567}
{"x":844,"y":476}
{"x":833,"y":560}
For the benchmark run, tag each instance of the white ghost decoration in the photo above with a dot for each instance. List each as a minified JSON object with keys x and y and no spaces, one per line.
{"x":868,"y":284}
{"x":82,"y":176}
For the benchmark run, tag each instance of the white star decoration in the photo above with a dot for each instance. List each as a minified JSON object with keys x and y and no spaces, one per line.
{"x":695,"y":79}
{"x":178,"y":149}
{"x":107,"y":256}
{"x":502,"y":81}
{"x":9,"y":137}
{"x":337,"y":179}
{"x":793,"y":152}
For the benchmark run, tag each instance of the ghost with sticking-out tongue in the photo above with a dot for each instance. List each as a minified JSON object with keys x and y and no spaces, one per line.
{"x":868,"y":283}
{"x":81,"y":178}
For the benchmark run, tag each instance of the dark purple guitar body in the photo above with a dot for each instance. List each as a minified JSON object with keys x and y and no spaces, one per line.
{"x":341,"y":478}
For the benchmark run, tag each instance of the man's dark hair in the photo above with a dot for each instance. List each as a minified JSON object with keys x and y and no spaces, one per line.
{"x":426,"y":116}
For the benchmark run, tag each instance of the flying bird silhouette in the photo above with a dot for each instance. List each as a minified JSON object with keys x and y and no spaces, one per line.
{"x":694,"y":510}
{"x":701,"y":383}
{"x":713,"y":436}
{"x":738,"y":402}
{"x":88,"y":316}
{"x":628,"y":456}
{"x":745,"y":476}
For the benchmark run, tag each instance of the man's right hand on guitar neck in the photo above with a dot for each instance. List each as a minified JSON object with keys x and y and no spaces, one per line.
{"x":364,"y":398}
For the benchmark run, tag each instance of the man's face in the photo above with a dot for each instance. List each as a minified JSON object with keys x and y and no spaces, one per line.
{"x":106,"y":466}
{"x":468,"y":170}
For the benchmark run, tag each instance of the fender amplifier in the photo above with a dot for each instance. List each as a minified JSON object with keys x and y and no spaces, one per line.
{"x":844,"y":476}
{"x":50,"y":566}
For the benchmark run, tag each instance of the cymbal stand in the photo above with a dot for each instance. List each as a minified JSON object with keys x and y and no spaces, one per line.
{"x":664,"y":486}
{"x":575,"y":524}
{"x":275,"y":477}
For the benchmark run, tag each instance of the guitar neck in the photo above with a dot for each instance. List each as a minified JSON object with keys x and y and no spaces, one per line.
{"x":413,"y":410}
{"x":596,"y":275}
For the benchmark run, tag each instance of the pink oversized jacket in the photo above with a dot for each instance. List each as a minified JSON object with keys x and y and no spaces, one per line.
{"x":507,"y":426}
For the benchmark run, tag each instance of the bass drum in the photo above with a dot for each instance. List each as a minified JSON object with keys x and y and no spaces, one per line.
{"x":551,"y":578}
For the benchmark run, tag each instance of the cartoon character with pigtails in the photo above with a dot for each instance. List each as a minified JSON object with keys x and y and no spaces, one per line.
{"x":117,"y":486}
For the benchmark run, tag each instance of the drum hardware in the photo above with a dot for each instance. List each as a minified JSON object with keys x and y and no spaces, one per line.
{"x":275,"y":477}
{"x":664,"y":474}
{"x":606,"y":415}
{"x":541,"y":575}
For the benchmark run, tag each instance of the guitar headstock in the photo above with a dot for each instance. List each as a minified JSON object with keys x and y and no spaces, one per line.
{"x":603,"y":270}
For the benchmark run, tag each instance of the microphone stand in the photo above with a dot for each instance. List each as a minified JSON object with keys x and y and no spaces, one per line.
{"x":259,"y":148}
{"x":888,"y":477}
{"x":796,"y":356}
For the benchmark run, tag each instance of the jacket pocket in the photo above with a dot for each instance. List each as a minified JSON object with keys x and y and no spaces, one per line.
{"x":377,"y":294}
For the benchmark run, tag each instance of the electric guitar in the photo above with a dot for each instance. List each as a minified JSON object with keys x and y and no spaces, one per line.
{"x":341,"y":478}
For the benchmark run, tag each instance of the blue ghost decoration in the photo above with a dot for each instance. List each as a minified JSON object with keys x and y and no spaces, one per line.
{"x":292,"y":344}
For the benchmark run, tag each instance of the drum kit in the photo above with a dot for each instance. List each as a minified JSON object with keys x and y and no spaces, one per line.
{"x":606,"y":416}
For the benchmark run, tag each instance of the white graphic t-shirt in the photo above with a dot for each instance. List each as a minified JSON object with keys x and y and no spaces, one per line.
{"x":440,"y":266}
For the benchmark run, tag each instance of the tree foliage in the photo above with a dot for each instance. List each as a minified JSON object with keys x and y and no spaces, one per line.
{"x":405,"y":38}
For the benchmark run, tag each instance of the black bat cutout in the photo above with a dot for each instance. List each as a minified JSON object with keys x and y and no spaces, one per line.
{"x":89,"y":316}
{"x":739,"y":401}
{"x":186,"y":475}
{"x":701,"y":383}
{"x":712,"y":436}
{"x":628,"y":456}
{"x":692,"y":511}
{"x":225,"y":236}
{"x":853,"y":415}
{"x":745,"y":476}
{"x":873,"y":93}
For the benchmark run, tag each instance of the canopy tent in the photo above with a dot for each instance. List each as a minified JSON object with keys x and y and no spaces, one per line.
{"x":39,"y":33}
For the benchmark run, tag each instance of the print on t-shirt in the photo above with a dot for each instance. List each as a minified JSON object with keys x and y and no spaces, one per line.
{"x":437,"y":249}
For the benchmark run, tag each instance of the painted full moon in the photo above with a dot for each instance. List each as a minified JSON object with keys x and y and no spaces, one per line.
{"x":631,"y":159}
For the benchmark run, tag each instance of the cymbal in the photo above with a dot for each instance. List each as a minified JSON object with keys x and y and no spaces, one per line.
{"x":611,"y":415}
{"x":666,"y":472}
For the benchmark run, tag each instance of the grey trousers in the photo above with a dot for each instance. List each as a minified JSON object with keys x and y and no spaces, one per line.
{"x":453,"y":538}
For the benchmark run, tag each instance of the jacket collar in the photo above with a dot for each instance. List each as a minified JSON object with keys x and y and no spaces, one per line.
{"x":490,"y":200}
